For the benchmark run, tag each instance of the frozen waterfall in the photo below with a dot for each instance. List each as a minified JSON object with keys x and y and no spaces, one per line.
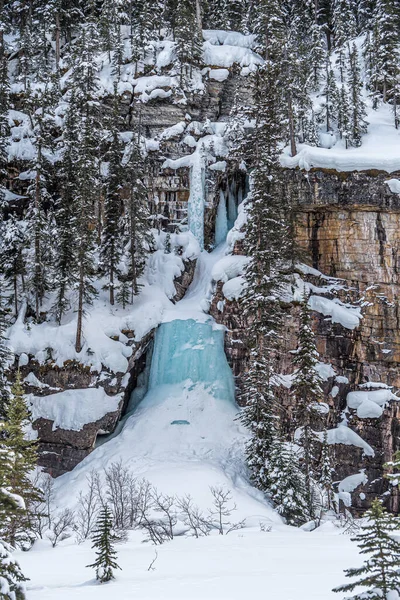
{"x":189,"y":350}
{"x":197,"y":198}
{"x":221,"y":221}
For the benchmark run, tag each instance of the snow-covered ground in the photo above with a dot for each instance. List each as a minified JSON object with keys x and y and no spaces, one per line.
{"x":283,"y":564}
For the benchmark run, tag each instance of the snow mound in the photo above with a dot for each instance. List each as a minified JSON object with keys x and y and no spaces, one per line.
{"x":229,"y":267}
{"x":349,"y":484}
{"x":73,"y":409}
{"x":370,"y":404}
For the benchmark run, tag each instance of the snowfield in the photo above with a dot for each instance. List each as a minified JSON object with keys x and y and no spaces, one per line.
{"x":283,"y":564}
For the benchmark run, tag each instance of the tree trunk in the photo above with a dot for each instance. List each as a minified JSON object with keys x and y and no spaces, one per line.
{"x":58,"y":33}
{"x":78,"y":341}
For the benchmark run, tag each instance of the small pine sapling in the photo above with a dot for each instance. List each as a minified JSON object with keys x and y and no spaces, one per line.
{"x":103,"y":541}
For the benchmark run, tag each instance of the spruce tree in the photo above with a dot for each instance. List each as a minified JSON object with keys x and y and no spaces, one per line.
{"x":325,"y":471}
{"x":344,"y":22}
{"x":188,"y":41}
{"x":358,"y":124}
{"x":286,"y":484}
{"x":111,"y":244}
{"x":306,"y":392}
{"x":103,"y":541}
{"x":11,"y":577}
{"x":379,"y":574}
{"x":137,"y":235}
{"x":13,"y":244}
{"x":18,"y":530}
{"x":393,"y":469}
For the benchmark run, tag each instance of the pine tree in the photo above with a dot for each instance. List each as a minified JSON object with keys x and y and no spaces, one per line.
{"x":259,"y":417}
{"x":137,"y":234}
{"x":307,"y":392}
{"x":4,"y":107}
{"x":104,"y":540}
{"x":383,"y":53}
{"x":188,"y":41}
{"x":18,"y":530}
{"x":111,"y":246}
{"x":13,"y":243}
{"x":11,"y":577}
{"x":393,"y":468}
{"x":5,"y":356}
{"x":358,"y":124}
{"x":344,"y":23}
{"x":286,"y":485}
{"x":380,"y":572}
{"x":343,"y":113}
{"x":328,"y":111}
{"x":325,"y":473}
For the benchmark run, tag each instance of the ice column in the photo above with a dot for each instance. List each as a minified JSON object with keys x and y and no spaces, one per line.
{"x":197,"y":197}
{"x":221,"y":222}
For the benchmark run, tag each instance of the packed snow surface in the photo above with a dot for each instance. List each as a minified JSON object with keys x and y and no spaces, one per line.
{"x":73,"y":409}
{"x":289,"y":564}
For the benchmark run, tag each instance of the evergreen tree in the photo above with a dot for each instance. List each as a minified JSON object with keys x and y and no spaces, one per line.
{"x":328,"y":112}
{"x":344,"y":22}
{"x":358,"y":124}
{"x":287,"y":487}
{"x":111,"y":246}
{"x":383,"y":53}
{"x":18,"y":531}
{"x":343,"y":113}
{"x":380,"y":572}
{"x":307,"y":392}
{"x":11,"y":577}
{"x":104,"y":540}
{"x":4,"y":107}
{"x":325,"y":473}
{"x":13,"y":242}
{"x":188,"y":41}
{"x":393,"y":468}
{"x":5,"y":356}
{"x":137,"y":234}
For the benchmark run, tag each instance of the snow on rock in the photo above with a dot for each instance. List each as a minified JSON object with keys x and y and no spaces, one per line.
{"x":348,"y":316}
{"x":325,"y":370}
{"x":227,"y":55}
{"x":370,"y":404}
{"x":72,"y":409}
{"x":394,"y":185}
{"x":232,"y":38}
{"x":219,"y":74}
{"x":145,"y":86}
{"x":174,"y":131}
{"x":344,"y":435}
{"x":349,"y":484}
{"x":234,"y":288}
{"x":229,"y":267}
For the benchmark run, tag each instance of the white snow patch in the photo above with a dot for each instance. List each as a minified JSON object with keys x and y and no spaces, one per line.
{"x":370,"y":404}
{"x":72,"y":409}
{"x":348,"y":316}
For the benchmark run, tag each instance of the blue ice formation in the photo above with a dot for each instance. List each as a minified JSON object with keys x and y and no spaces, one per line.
{"x":189,"y":350}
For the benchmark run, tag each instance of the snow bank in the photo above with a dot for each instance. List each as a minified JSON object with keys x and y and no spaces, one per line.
{"x":370,"y":404}
{"x":229,"y":267}
{"x":73,"y":409}
{"x":227,"y":55}
{"x":219,"y":74}
{"x":232,"y":38}
{"x":380,"y":149}
{"x":394,"y":185}
{"x":348,"y":316}
{"x":234,"y":288}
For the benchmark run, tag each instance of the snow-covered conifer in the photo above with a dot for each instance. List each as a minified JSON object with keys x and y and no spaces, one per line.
{"x":11,"y":577}
{"x":379,"y":575}
{"x":103,"y":541}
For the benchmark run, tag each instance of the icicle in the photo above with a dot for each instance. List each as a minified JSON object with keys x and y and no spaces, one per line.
{"x":221,"y":222}
{"x":232,"y":204}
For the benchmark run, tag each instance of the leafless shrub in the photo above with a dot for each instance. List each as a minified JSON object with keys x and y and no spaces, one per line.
{"x":62,"y":527}
{"x":222,"y":508}
{"x":264,"y":527}
{"x":151,"y":565}
{"x":88,"y":508}
{"x":192,"y":517}
{"x":42,"y":510}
